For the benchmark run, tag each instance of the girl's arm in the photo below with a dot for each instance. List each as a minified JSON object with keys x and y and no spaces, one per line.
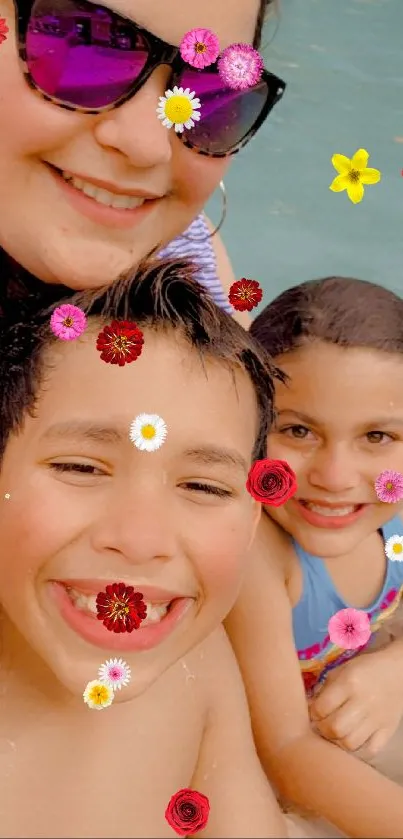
{"x":310,"y":772}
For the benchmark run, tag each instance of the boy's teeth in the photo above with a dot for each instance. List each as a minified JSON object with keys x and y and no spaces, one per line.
{"x":102,"y":196}
{"x":88,"y":603}
{"x":331,"y":511}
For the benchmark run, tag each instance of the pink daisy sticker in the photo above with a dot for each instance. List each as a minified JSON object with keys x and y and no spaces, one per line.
{"x":199,"y":48}
{"x":389,"y":486}
{"x":349,"y":629}
{"x":240,"y":66}
{"x":68,"y":322}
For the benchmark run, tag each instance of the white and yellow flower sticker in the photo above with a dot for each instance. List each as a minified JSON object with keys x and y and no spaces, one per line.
{"x":394,"y":548}
{"x":148,"y":432}
{"x":179,"y":108}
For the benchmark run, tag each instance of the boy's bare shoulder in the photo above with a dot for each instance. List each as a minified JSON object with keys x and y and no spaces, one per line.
{"x":275,"y":547}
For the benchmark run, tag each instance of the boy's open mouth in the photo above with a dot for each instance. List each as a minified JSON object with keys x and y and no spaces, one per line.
{"x":76,"y":601}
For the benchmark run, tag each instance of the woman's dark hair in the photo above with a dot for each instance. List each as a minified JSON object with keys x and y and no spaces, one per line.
{"x":335,"y":310}
{"x":265,"y":7}
{"x":161,"y":295}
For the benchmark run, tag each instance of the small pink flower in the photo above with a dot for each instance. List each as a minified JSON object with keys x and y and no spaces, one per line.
{"x":68,"y":322}
{"x":199,"y":48}
{"x":240,"y":66}
{"x":389,"y":486}
{"x":349,"y":629}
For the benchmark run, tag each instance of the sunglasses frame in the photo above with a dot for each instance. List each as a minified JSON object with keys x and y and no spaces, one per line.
{"x":160,"y":53}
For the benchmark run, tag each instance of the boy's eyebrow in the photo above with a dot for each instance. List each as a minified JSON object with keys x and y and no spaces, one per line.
{"x":113,"y":434}
{"x":216,"y":455}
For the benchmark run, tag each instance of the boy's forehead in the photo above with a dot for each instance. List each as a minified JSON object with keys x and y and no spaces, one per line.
{"x":169,"y":378}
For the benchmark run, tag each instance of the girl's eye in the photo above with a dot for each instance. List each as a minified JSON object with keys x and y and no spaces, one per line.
{"x":81,"y":468}
{"x":209,"y":489}
{"x":378,"y":437}
{"x":298,"y":432}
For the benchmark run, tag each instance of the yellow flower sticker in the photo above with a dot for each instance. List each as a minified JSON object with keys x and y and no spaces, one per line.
{"x":353,"y":175}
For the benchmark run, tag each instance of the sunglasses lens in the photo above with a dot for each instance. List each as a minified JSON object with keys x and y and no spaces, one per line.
{"x":226,"y":115}
{"x":82,"y":54}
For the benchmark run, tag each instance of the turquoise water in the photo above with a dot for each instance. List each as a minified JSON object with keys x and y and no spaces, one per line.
{"x":343,"y":62}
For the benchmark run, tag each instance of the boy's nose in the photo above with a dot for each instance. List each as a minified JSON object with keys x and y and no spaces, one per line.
{"x":139,"y":529}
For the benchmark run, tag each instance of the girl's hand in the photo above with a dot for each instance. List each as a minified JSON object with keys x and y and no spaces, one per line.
{"x":361,"y":703}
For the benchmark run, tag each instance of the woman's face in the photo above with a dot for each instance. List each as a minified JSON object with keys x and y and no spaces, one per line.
{"x":127,"y":148}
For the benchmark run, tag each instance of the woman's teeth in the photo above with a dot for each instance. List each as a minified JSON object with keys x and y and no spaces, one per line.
{"x":88,"y":603}
{"x":102,"y":196}
{"x":331,"y":511}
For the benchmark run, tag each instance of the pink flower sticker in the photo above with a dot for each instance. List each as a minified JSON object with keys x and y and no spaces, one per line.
{"x":68,"y":322}
{"x":389,"y":486}
{"x":199,"y":48}
{"x":240,"y":66}
{"x":349,"y":629}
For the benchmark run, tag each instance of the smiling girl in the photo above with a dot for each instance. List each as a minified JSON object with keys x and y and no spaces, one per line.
{"x":339,"y":424}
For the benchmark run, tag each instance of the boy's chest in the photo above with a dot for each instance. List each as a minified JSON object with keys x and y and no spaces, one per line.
{"x":115,"y":783}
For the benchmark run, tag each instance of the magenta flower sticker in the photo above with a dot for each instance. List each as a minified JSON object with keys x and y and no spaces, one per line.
{"x":68,"y":322}
{"x":349,"y":629}
{"x":199,"y":48}
{"x":240,"y":66}
{"x":389,"y":486}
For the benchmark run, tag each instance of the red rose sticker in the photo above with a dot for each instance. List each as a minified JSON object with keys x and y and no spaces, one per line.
{"x":271,"y":482}
{"x":188,"y":812}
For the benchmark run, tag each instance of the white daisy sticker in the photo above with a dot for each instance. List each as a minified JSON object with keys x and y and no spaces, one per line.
{"x":394,"y":548}
{"x":148,"y":432}
{"x":179,"y":108}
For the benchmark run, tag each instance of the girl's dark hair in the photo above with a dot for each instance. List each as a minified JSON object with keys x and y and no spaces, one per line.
{"x":161,"y":295}
{"x":335,"y":310}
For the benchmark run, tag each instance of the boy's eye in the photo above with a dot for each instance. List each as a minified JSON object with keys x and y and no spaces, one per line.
{"x":81,"y":468}
{"x":209,"y":489}
{"x":378,"y":437}
{"x":299,"y":432}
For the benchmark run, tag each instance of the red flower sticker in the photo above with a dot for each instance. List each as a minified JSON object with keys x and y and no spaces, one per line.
{"x":188,"y":812}
{"x":272,"y":482}
{"x":120,"y":608}
{"x":244,"y":295}
{"x":120,"y":343}
{"x":4,"y":30}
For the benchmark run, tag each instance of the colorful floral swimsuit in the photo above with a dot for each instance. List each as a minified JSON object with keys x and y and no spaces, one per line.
{"x":319,"y":602}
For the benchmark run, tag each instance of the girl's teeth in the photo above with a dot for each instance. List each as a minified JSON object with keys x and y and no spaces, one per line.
{"x":328,"y":511}
{"x":102,"y":196}
{"x":88,"y":603}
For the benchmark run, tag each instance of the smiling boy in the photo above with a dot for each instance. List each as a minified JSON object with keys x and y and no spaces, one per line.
{"x":84,"y":507}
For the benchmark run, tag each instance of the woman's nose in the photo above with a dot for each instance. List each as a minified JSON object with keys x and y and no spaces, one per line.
{"x":134,"y":129}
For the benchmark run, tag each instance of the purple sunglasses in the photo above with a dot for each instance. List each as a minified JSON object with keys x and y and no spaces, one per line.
{"x":87,"y":58}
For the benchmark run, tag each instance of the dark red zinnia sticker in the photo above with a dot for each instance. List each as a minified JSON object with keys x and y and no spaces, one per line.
{"x":120,"y":608}
{"x":3,"y":30}
{"x":120,"y":342}
{"x":188,"y":812}
{"x":245,"y":294}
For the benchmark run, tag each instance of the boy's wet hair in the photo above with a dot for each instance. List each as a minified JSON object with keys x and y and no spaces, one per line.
{"x":162,"y":295}
{"x":334,"y":310}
